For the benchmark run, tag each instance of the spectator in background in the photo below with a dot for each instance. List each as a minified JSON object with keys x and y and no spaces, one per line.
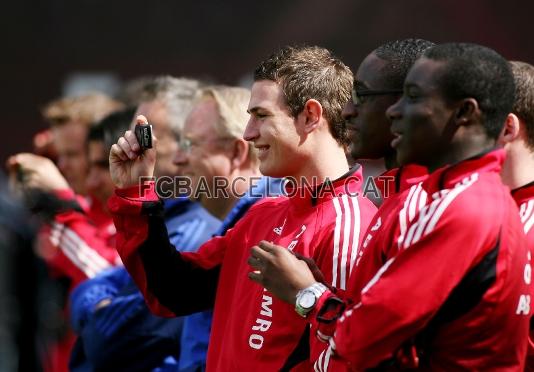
{"x":115,"y":328}
{"x":518,"y":169}
{"x":76,"y":242}
{"x":164,"y":100}
{"x":21,"y":281}
{"x":99,"y":140}
{"x":70,"y":119}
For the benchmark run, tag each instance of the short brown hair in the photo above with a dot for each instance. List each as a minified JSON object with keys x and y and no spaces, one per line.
{"x":86,"y":109}
{"x":524,"y":97}
{"x":305,"y":73}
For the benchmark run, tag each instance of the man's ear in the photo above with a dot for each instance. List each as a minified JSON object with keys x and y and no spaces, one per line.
{"x":311,"y":115}
{"x":240,"y":152}
{"x":510,"y":131}
{"x":467,"y":112}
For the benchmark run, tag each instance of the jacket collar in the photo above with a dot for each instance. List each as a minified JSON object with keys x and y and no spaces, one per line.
{"x":523,"y":193}
{"x":395,"y":180}
{"x":311,"y":195}
{"x":450,"y":175}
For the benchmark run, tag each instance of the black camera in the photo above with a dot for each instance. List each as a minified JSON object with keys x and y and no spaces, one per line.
{"x":143,"y":133}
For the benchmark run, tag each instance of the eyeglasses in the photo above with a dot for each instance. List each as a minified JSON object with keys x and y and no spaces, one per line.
{"x":186,"y":144}
{"x":358,"y":95}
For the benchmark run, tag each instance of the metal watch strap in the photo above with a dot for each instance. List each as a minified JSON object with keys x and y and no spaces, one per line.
{"x":317,"y":289}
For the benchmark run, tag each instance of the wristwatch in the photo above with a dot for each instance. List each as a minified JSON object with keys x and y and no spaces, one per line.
{"x":307,"y":298}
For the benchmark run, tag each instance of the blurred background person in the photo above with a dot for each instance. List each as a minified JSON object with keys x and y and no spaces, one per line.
{"x":77,"y":239}
{"x":163,"y":100}
{"x":115,"y":328}
{"x":20,"y":275}
{"x":70,"y":119}
{"x":99,"y":141}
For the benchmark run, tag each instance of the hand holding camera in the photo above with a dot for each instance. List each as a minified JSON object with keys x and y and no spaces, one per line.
{"x":134,"y":155}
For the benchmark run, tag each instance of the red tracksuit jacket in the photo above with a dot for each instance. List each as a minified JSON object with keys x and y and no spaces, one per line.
{"x":393,"y":182}
{"x":455,"y":284}
{"x":398,"y":190}
{"x":524,"y":197}
{"x":79,"y":244}
{"x":251,"y":330}
{"x":395,"y":187}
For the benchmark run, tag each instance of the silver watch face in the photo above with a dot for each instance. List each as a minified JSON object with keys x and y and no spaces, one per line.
{"x":307,"y":299}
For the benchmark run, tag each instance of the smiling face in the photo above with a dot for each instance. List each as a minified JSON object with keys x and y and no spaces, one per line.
{"x":421,"y":119}
{"x":274,"y":132}
{"x":368,"y":124}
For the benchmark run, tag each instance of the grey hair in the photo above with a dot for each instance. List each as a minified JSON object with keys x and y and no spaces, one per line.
{"x":176,"y":94}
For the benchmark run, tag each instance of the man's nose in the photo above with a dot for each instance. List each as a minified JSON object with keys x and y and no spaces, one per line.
{"x":349,"y":111}
{"x":251,"y":131}
{"x":180,"y":157}
{"x":394,"y":111}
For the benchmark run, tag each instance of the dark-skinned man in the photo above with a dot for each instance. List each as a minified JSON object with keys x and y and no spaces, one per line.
{"x":452,"y":293}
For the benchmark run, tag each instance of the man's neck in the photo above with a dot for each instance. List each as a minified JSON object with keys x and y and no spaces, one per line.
{"x":459,"y":151}
{"x":390,"y":161}
{"x":328,"y":163}
{"x":518,"y":168}
{"x":219,"y":207}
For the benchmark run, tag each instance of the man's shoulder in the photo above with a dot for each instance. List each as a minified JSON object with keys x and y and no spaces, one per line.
{"x":473,"y":202}
{"x":345,"y":204}
{"x":269,"y":203}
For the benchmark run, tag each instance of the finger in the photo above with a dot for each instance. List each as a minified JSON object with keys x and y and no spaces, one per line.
{"x":12,"y":164}
{"x":132,"y":140}
{"x":18,"y":160}
{"x":254,"y":262}
{"x":268,"y":246}
{"x":26,"y":159}
{"x":260,"y":254}
{"x":117,"y":152}
{"x":256,"y":276}
{"x":126,"y":148}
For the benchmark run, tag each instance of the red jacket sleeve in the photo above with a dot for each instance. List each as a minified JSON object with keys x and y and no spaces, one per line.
{"x":335,"y":256}
{"x":172,"y":283}
{"x":73,"y":246}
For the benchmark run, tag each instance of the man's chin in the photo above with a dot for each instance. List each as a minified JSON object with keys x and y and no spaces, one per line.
{"x":268,"y":170}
